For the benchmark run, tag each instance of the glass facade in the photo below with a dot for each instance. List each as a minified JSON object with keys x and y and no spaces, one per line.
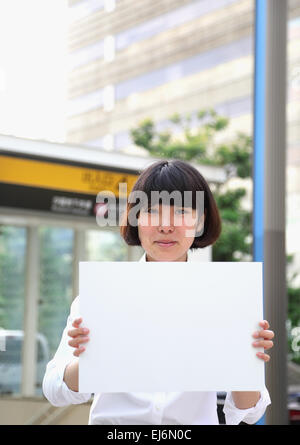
{"x":56,"y":262}
{"x":12,"y":293}
{"x":56,"y":284}
{"x":104,"y":245}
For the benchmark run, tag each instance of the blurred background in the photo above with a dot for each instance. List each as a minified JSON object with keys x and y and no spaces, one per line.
{"x":91,"y":92}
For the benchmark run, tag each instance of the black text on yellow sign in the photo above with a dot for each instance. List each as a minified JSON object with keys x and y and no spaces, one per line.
{"x":62,"y":177}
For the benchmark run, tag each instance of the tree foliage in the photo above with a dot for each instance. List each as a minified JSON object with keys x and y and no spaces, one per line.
{"x":195,"y":139}
{"x":198,"y":144}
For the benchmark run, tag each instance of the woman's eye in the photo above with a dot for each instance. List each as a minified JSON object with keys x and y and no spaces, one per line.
{"x":180,"y":211}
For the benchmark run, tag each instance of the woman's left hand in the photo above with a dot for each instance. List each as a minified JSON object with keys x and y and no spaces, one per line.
{"x":263,"y":339}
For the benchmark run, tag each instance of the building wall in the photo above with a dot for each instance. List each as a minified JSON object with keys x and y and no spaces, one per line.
{"x":159,"y":57}
{"x":159,"y":65}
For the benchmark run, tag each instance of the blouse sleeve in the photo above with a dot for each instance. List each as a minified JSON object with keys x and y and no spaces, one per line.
{"x":55,"y":389}
{"x":234,"y":415}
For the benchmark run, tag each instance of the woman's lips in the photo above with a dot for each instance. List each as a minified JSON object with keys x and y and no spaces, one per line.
{"x":166,"y":244}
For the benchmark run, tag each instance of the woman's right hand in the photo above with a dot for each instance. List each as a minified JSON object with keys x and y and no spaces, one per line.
{"x":78,"y":336}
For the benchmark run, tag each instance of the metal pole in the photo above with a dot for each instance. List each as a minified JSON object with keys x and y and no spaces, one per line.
{"x":79,"y":254}
{"x":259,"y":135}
{"x":269,"y":188}
{"x":275,"y":185}
{"x":259,"y":130}
{"x":29,"y":352}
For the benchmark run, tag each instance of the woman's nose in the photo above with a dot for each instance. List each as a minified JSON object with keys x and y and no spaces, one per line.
{"x":166,"y":223}
{"x":166,"y":229}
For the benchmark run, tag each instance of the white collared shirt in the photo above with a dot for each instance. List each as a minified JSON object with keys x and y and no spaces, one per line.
{"x":159,"y":408}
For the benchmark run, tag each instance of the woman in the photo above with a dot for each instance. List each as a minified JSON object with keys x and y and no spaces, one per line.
{"x":167,"y":231}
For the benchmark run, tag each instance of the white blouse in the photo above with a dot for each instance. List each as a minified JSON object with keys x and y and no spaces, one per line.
{"x":159,"y":408}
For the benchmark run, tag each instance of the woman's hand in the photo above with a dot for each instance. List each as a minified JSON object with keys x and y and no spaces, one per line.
{"x":79,"y":335}
{"x":263,"y":339}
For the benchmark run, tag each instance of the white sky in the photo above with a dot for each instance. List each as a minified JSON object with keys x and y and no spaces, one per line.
{"x":33,"y":64}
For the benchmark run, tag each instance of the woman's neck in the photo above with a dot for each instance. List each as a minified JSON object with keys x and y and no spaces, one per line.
{"x":184,"y":258}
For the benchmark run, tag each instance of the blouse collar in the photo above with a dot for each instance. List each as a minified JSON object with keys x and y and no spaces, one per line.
{"x":143,"y":258}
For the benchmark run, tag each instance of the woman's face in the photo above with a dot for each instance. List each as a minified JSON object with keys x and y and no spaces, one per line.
{"x":167,"y":232}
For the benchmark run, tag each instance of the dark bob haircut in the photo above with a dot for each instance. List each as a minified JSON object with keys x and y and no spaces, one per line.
{"x":175,"y":175}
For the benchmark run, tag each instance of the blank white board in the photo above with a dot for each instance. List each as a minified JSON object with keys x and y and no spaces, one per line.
{"x":170,"y":326}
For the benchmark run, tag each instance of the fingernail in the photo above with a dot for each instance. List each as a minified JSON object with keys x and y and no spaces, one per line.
{"x":255,"y":343}
{"x":256,"y":334}
{"x":85,"y":330}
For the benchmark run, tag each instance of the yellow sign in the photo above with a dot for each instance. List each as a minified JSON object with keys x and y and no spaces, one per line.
{"x":52,"y":175}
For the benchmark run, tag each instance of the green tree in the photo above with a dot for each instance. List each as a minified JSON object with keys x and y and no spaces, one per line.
{"x":198,"y":145}
{"x":293,"y":312}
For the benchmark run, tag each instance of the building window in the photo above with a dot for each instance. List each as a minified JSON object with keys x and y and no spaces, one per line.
{"x":109,"y":98}
{"x":109,"y":48}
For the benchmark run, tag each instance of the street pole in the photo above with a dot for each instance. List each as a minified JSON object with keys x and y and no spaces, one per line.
{"x":269,"y":189}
